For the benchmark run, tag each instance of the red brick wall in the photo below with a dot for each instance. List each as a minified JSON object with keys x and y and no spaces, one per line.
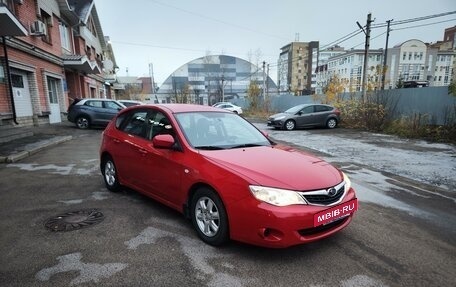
{"x":40,"y":67}
{"x":5,"y":106}
{"x":27,"y":14}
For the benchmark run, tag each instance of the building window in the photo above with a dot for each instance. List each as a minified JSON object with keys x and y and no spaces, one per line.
{"x":65,"y":36}
{"x":10,"y":5}
{"x":52,"y":90}
{"x":91,"y":26}
{"x":404,"y":55}
{"x":410,"y":56}
{"x":47,"y":20}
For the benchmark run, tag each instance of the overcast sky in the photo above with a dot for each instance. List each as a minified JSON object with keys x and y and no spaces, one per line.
{"x":170,"y":33}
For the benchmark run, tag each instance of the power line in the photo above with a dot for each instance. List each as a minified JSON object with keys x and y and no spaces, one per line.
{"x":422,"y":25}
{"x":218,"y":20}
{"x":405,"y":21}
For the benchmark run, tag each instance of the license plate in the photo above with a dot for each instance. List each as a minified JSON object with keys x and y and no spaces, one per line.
{"x":336,"y":212}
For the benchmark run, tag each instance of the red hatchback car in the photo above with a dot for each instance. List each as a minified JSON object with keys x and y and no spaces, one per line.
{"x":229,"y":178}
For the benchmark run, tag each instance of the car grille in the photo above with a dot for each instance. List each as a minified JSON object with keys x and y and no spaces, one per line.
{"x":322,"y":228}
{"x":322,"y":197}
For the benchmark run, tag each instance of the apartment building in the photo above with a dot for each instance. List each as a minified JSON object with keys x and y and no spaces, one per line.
{"x":349,"y":68}
{"x":412,"y":60}
{"x":321,"y":72}
{"x":296,"y":67}
{"x":415,"y":60}
{"x":55,"y":51}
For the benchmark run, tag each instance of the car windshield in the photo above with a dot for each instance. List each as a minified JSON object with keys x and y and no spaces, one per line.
{"x":294,"y":109}
{"x":215,"y":130}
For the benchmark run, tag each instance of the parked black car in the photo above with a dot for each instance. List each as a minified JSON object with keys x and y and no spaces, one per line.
{"x":93,"y":112}
{"x":306,"y":115}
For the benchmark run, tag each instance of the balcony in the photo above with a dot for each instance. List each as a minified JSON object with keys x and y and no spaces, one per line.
{"x":10,"y":24}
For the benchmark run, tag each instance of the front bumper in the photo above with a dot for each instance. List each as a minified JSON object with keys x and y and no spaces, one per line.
{"x":262,"y":224}
{"x":275,"y":124}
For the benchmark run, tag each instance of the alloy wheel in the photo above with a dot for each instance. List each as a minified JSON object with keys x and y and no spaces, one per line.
{"x":207,"y":216}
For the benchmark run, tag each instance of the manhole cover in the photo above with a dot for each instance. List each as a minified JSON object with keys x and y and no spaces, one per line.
{"x":74,"y":220}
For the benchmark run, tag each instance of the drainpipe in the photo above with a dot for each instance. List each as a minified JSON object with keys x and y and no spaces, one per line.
{"x":8,"y":76}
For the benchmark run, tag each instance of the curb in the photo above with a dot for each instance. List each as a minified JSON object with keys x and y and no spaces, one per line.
{"x":33,"y":149}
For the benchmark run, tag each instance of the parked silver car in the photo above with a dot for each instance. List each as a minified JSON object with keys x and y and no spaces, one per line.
{"x":93,"y":112}
{"x":306,"y":115}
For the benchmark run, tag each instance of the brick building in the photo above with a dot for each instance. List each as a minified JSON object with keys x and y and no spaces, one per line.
{"x":52,"y":51}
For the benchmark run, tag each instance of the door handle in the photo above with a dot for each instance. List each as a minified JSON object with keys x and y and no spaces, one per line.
{"x":142,"y":151}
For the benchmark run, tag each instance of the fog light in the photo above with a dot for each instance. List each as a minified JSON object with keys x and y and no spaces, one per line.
{"x":270,"y":234}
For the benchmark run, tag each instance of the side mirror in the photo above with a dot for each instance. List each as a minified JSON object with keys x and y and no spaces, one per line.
{"x":164,"y":141}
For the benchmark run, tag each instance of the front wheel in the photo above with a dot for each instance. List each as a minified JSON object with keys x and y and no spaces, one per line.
{"x":209,"y":217}
{"x":110,"y":176}
{"x":331,"y":123}
{"x":290,"y":125}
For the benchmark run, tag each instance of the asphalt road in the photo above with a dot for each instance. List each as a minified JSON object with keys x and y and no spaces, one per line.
{"x":142,"y":243}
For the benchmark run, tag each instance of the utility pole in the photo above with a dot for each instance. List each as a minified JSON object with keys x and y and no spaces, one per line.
{"x":264,"y":81}
{"x":223,"y":88}
{"x":386,"y":53}
{"x":366,"y":52}
{"x":267,"y":88}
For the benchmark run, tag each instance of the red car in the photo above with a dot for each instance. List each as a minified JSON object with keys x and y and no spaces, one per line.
{"x":229,"y":178}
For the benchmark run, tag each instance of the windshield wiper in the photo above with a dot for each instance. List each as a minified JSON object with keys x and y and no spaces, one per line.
{"x":246,"y":145}
{"x":209,"y":147}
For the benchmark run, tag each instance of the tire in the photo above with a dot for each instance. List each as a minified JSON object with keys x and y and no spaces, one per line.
{"x":289,"y":125}
{"x":109,"y":171}
{"x":83,"y":122}
{"x":331,"y":123}
{"x":209,"y":217}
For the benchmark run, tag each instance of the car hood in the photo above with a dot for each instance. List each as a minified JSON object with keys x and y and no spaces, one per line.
{"x":279,"y":115}
{"x":277,"y":166}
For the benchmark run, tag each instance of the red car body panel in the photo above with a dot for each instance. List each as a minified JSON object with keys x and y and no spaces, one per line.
{"x":169,"y":177}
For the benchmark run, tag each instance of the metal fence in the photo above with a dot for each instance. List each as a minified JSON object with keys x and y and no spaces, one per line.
{"x":433,"y":103}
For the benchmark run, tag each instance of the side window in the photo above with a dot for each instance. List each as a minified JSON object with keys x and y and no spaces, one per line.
{"x":95,"y":104}
{"x":307,"y":110}
{"x":111,"y":105}
{"x":135,"y":124}
{"x":160,"y":124}
{"x":322,"y":109}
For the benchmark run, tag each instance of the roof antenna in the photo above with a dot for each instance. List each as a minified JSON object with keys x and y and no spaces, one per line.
{"x":296,"y":37}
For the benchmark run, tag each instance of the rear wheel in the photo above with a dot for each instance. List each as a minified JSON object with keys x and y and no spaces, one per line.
{"x":110,"y":176}
{"x":83,"y":122}
{"x":209,"y":217}
{"x":290,"y":125}
{"x":331,"y":123}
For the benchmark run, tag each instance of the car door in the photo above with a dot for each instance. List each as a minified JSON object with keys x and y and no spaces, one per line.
{"x":94,"y":108}
{"x":305,"y":117}
{"x":321,"y":114}
{"x":109,"y":110}
{"x":159,"y":171}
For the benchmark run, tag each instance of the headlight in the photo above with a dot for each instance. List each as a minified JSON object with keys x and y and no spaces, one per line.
{"x":279,"y":118}
{"x":275,"y":196}
{"x":347,"y":182}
